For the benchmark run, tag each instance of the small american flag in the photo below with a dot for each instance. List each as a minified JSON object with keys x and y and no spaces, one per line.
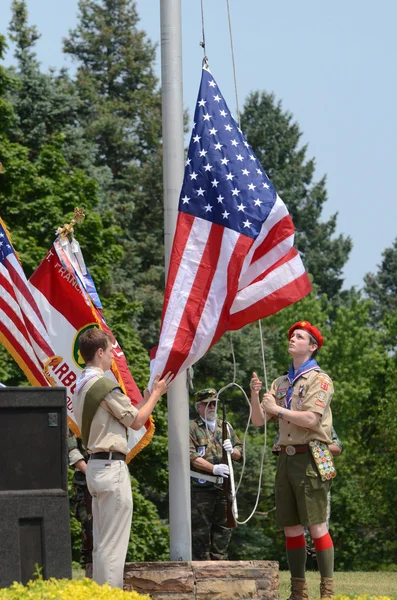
{"x":22,"y":330}
{"x":233,"y":259}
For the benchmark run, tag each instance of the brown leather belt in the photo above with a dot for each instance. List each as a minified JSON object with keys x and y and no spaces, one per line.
{"x":291,"y":450}
{"x":108,"y":456}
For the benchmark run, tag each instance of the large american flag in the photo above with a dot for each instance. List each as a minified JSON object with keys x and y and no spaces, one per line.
{"x":233,"y":259}
{"x":22,"y":330}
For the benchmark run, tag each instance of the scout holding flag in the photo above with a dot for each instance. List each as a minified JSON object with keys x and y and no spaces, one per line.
{"x":301,"y":402}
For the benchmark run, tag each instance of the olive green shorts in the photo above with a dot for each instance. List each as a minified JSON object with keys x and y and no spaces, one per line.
{"x":301,"y":496}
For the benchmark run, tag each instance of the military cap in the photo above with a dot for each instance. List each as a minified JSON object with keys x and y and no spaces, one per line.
{"x":306,"y":326}
{"x":206,"y":395}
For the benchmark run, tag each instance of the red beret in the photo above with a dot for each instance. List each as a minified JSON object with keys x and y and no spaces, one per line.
{"x":306,"y":326}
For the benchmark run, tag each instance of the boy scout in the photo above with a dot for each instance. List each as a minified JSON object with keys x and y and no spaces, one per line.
{"x":104,"y":414}
{"x":210,"y":534}
{"x":301,"y":402}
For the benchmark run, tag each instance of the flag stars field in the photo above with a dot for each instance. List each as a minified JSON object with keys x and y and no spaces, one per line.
{"x":216,"y":176}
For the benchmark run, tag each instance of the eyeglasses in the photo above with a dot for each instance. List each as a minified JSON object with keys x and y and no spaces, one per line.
{"x":210,"y":403}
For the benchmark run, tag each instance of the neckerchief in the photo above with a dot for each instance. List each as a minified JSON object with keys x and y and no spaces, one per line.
{"x":86,"y":375}
{"x":293,"y":376}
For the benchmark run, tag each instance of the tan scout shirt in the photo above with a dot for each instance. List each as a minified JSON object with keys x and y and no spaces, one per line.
{"x":109,"y":426}
{"x":313,"y":391}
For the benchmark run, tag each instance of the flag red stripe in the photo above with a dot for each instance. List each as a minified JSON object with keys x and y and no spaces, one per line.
{"x":25,"y":357}
{"x":284,"y":259}
{"x":183,"y":226}
{"x":281,"y":230}
{"x":12,"y":315}
{"x":196,"y":301}
{"x":24,"y":290}
{"x":5,"y":283}
{"x":273,"y":303}
{"x":28,"y":326}
{"x":38,"y":338}
{"x":234,"y":267}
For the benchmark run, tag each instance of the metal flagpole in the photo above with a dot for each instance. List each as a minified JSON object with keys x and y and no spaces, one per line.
{"x":173,"y":167}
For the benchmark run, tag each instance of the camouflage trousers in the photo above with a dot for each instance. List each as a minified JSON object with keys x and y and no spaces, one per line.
{"x":210,"y":536}
{"x":82,"y":510}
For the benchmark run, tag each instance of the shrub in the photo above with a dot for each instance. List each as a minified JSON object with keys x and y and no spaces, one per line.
{"x":54,"y":589}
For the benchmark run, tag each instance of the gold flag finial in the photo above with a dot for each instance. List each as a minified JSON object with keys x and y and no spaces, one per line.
{"x":68,"y":228}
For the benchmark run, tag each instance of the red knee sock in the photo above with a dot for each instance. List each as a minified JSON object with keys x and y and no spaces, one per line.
{"x":323,"y":543}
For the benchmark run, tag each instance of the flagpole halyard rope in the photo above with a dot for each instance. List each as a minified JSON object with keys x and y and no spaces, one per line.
{"x":233,"y":62}
{"x":234,"y":357}
{"x":202,"y":43}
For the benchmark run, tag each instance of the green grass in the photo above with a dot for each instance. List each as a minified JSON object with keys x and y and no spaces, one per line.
{"x":373,"y":583}
{"x":77,"y":571}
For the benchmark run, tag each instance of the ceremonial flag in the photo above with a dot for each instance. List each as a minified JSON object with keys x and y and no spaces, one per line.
{"x":68,"y":301}
{"x":22,"y":329}
{"x":233,"y":259}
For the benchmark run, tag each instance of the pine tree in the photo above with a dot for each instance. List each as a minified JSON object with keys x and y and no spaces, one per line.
{"x":275,"y":139}
{"x":381,"y":287}
{"x":121,"y":114}
{"x":44,"y":103}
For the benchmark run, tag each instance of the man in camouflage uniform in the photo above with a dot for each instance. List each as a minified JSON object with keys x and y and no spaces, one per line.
{"x":210,"y":534}
{"x":82,"y":500}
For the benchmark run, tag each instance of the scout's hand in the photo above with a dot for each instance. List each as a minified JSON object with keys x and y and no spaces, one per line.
{"x":255,"y":384}
{"x":228,"y":446}
{"x":269,"y":403}
{"x":221,"y":470}
{"x":160,"y":386}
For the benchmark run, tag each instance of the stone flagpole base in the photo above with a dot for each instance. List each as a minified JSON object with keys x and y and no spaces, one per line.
{"x":207,"y":580}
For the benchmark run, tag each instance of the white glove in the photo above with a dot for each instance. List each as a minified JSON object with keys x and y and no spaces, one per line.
{"x":221,"y":470}
{"x":227,"y":446}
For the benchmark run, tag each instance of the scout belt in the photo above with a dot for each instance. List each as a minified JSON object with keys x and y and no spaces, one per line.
{"x":206,"y":477}
{"x":291,"y":450}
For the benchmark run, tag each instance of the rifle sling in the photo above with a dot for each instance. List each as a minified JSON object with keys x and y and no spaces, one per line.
{"x":93,"y":398}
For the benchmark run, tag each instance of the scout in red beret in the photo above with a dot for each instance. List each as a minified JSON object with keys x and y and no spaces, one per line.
{"x":306,"y":326}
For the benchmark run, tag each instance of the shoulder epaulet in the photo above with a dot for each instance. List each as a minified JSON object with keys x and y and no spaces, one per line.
{"x":322,"y":376}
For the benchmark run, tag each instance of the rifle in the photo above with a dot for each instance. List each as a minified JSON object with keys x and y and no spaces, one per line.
{"x":228,"y":482}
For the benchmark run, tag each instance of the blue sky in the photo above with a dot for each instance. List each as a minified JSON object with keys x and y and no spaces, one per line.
{"x":333,"y":65}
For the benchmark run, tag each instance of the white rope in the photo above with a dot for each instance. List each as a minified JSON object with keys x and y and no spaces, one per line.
{"x":263,"y":453}
{"x":233,"y":62}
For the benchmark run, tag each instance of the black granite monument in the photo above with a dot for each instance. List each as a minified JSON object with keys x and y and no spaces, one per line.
{"x":34,"y":506}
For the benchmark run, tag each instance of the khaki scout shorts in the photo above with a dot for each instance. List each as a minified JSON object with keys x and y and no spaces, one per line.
{"x":301,"y":496}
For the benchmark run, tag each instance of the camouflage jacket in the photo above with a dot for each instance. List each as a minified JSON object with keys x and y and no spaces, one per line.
{"x":208,"y":445}
{"x":76,"y":452}
{"x":335,"y":439}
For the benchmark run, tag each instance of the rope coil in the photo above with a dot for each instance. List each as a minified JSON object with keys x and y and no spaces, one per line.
{"x":263,"y":453}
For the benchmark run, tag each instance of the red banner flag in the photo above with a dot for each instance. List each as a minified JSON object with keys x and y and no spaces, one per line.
{"x":67,"y":309}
